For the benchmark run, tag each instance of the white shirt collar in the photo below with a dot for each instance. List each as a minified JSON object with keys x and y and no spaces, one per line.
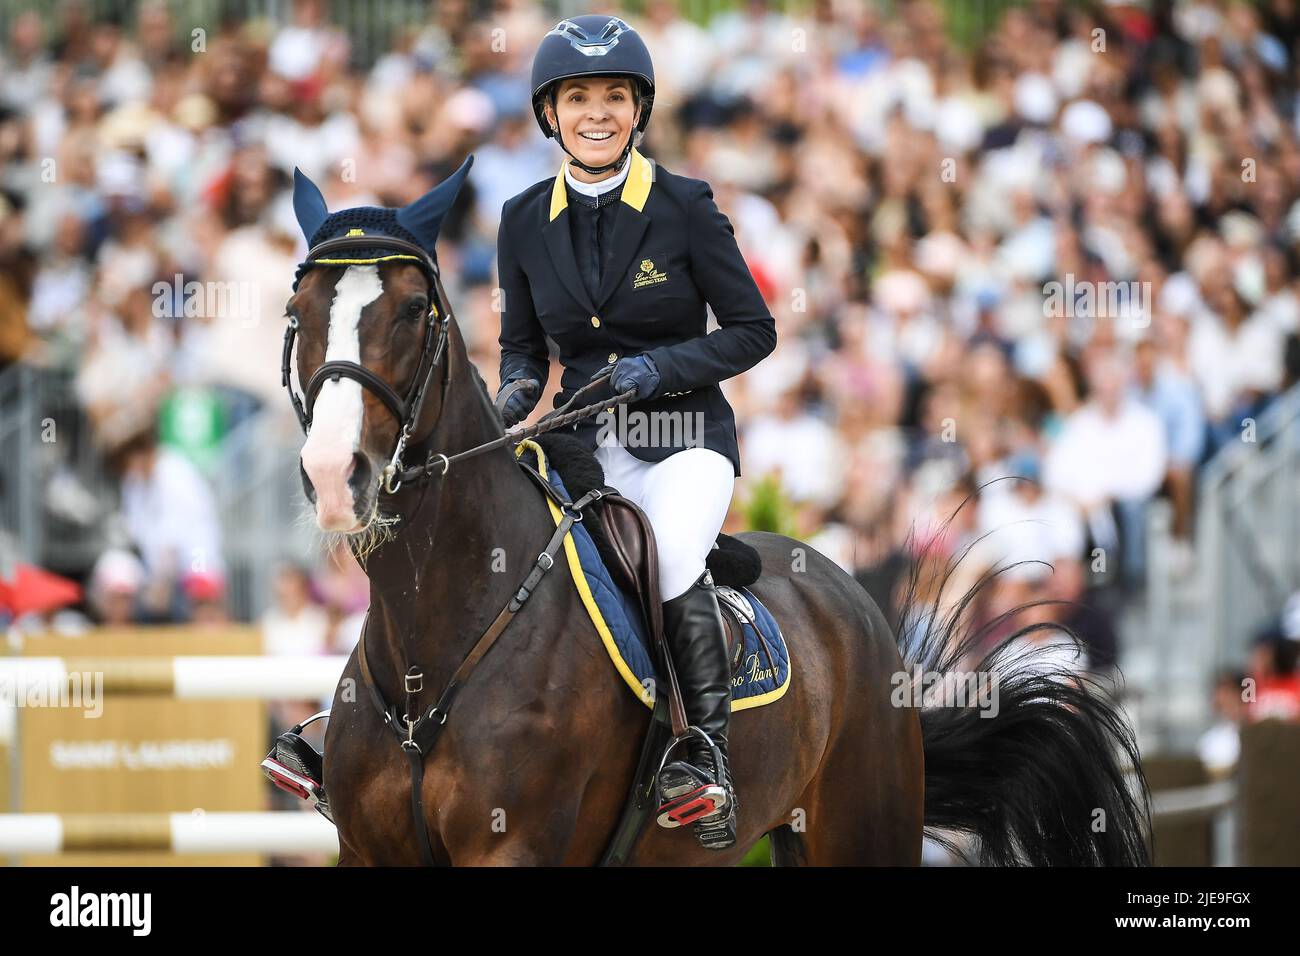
{"x":604,"y":186}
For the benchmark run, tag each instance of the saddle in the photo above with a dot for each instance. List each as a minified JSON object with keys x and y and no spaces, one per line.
{"x":625,"y":540}
{"x":633,"y":562}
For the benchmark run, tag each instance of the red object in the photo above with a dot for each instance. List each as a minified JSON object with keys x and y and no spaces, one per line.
{"x":33,"y":590}
{"x":689,"y":807}
{"x":1137,"y":24}
{"x":216,"y":190}
{"x":1277,"y":697}
{"x":763,"y":279}
{"x":308,"y":89}
{"x":202,"y":586}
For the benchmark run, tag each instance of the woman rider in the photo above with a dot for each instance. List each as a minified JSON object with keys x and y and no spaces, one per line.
{"x":615,"y":260}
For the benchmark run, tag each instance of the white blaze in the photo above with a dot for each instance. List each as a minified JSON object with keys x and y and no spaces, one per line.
{"x":336,"y":418}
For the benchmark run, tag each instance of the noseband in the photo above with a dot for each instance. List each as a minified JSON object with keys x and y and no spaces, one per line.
{"x":405,"y":409}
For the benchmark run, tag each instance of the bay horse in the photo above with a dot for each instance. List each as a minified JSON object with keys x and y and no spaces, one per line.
{"x":535,"y":763}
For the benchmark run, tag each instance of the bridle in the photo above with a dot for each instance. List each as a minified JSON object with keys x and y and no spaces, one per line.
{"x":405,"y":409}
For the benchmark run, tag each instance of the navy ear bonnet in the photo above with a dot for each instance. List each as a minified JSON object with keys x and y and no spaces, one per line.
{"x":417,"y":223}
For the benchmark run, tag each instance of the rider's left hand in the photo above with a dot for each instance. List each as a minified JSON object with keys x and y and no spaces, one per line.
{"x":638,"y":372}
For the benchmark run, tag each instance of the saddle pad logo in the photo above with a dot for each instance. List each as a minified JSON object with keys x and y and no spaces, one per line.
{"x":648,"y":275}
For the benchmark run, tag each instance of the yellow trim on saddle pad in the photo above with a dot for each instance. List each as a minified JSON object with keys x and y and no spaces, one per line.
{"x":580,"y":582}
{"x":598,"y":619}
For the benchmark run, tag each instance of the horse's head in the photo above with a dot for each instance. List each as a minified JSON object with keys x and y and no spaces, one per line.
{"x":370,"y":323}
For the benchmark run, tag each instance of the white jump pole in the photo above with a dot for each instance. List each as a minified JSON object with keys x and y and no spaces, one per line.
{"x":184,"y":678}
{"x":195,"y":832}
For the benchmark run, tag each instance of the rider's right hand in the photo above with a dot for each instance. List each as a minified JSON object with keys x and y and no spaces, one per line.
{"x":521,"y":401}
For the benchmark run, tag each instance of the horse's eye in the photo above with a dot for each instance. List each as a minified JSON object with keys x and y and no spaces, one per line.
{"x":416,"y":308}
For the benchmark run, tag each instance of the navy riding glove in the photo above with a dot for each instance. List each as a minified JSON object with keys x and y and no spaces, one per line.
{"x":639,"y":372}
{"x":521,"y":401}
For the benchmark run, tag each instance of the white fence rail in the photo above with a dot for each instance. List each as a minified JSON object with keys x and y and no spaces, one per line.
{"x":184,"y":678}
{"x":194,"y":832}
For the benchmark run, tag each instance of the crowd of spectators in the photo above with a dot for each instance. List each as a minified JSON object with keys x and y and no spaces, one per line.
{"x":1064,"y":253}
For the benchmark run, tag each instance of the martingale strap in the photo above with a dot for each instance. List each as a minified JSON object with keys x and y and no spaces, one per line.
{"x":417,"y":735}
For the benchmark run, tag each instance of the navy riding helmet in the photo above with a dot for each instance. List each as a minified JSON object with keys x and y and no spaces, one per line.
{"x":592,"y":45}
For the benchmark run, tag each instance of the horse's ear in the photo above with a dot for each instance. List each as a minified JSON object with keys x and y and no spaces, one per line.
{"x":423,"y":217}
{"x":308,"y":204}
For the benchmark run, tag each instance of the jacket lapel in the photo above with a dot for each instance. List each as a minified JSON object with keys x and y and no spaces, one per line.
{"x":559,"y":244}
{"x":630,"y":222}
{"x":629,"y":227}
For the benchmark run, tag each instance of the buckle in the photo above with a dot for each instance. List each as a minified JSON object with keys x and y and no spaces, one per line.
{"x":416,"y":675}
{"x":409,"y":743}
{"x":387,"y":480}
{"x":545,"y":561}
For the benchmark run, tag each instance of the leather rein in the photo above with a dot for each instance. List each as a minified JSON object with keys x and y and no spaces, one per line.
{"x":416,"y":735}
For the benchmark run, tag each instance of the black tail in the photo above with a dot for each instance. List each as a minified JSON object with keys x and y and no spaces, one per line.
{"x":1051,"y":777}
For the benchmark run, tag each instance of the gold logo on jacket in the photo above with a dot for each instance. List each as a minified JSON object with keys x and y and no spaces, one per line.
{"x":648,"y":275}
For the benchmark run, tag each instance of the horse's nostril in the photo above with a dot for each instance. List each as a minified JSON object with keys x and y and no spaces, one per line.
{"x":359,"y":472}
{"x":308,"y":489}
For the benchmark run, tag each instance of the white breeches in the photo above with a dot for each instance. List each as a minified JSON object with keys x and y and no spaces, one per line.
{"x":685,"y":496}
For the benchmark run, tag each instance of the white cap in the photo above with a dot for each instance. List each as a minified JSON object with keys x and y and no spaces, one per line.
{"x":1035,"y":98}
{"x":117,"y":571}
{"x":1291,"y":618}
{"x":1086,"y":122}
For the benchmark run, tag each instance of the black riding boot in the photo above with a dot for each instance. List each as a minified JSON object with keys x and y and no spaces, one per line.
{"x":698,"y":643}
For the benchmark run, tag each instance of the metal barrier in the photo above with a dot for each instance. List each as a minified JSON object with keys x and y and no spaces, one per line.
{"x":43,"y":433}
{"x":261,"y":506}
{"x":1247,"y":519}
{"x":254,"y":479}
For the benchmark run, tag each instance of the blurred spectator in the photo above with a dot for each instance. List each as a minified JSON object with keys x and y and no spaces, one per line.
{"x":294,"y":624}
{"x":171,"y":519}
{"x":1164,"y":386}
{"x":1110,"y":459}
{"x":1220,"y":746}
{"x":1275,"y":666}
{"x":115,"y":585}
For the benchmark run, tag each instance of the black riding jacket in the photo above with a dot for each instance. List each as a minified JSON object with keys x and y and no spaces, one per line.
{"x":663,"y":252}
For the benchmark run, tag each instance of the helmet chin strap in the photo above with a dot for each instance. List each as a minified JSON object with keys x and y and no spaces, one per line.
{"x":594,"y":170}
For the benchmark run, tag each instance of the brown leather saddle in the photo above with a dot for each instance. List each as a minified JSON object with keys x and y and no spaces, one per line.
{"x":635,"y":568}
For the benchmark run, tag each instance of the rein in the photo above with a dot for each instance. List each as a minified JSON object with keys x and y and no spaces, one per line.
{"x":416,"y":735}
